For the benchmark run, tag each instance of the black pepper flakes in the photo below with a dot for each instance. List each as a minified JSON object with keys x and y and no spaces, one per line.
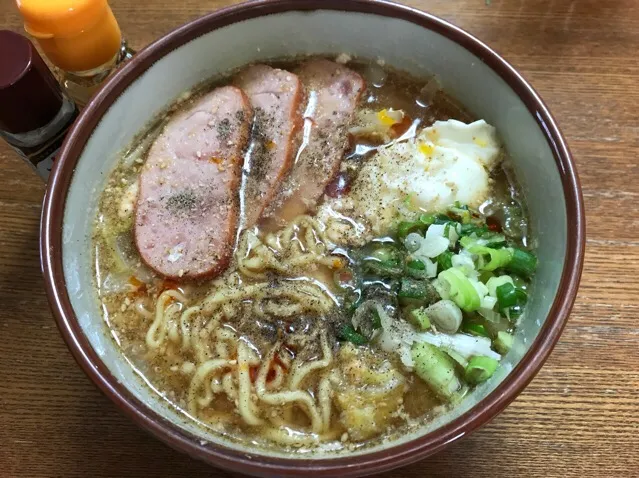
{"x":261,"y":155}
{"x":224,"y":129}
{"x":182,"y":202}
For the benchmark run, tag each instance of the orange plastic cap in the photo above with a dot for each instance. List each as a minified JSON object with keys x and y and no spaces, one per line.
{"x":76,"y":35}
{"x":60,"y":18}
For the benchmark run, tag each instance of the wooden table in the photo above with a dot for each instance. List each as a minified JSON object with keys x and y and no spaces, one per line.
{"x":579,"y":417}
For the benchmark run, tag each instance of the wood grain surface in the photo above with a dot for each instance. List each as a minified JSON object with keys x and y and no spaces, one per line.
{"x":579,"y":417}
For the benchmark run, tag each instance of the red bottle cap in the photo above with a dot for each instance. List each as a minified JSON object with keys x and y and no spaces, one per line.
{"x":30,"y":96}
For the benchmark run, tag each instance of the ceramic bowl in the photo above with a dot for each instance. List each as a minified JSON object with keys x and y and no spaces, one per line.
{"x":406,"y":39}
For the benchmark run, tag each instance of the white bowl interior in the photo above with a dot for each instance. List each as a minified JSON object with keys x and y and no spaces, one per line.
{"x":403,"y":45}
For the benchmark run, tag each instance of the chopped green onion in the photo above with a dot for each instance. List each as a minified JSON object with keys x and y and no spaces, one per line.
{"x":427,"y":219}
{"x":470,"y":229}
{"x":476,"y":329}
{"x":496,"y":241}
{"x":490,"y":315}
{"x":495,"y":282}
{"x":353,"y":300}
{"x":506,"y":295}
{"x":511,"y":299}
{"x":412,"y":289}
{"x":437,"y":369}
{"x":349,"y":334}
{"x":416,"y":264}
{"x":367,"y":318}
{"x":468,"y":241}
{"x":417,"y":274}
{"x":445,"y":315}
{"x":416,"y":292}
{"x":413,"y":241}
{"x":461,"y":212}
{"x":384,"y":254}
{"x":480,"y":369}
{"x":420,"y":318}
{"x":443,"y":219}
{"x":498,"y":257}
{"x":503,"y":343}
{"x":383,"y":269}
{"x":485,"y":276}
{"x":522,"y":296}
{"x":522,"y":262}
{"x":405,"y":228}
{"x":416,"y":269}
{"x":376,"y":320}
{"x":445,"y":260}
{"x":460,"y":289}
{"x":456,"y":356}
{"x":384,"y":261}
{"x":486,"y":239}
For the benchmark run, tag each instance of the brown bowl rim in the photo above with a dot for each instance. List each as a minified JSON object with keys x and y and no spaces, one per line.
{"x":260,"y":465}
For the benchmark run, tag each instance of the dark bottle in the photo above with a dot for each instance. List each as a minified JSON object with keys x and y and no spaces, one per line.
{"x":35,"y":114}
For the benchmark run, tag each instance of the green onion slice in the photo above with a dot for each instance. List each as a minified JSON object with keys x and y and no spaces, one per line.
{"x":405,"y":228}
{"x":460,"y":290}
{"x":412,"y":289}
{"x":445,"y":260}
{"x":480,"y":369}
{"x":420,"y":318}
{"x":511,"y":298}
{"x":476,"y":329}
{"x":462,"y":213}
{"x":503,"y":342}
{"x":522,"y":262}
{"x":349,"y":334}
{"x":506,"y":295}
{"x":427,"y":219}
{"x":498,"y":257}
{"x":437,"y":369}
{"x":416,"y":264}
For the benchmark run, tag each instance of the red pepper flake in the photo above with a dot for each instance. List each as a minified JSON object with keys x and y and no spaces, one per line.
{"x":493,"y":224}
{"x":277,"y":360}
{"x":253,"y":373}
{"x":339,"y":186}
{"x":345,"y":276}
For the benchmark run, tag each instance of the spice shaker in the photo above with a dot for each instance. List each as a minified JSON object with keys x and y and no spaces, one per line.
{"x":35,"y":114}
{"x":80,"y":37}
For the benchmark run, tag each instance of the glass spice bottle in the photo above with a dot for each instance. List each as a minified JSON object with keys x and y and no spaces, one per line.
{"x":80,"y":37}
{"x":35,"y":114}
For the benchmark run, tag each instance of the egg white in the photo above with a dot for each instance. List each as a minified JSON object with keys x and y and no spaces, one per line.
{"x":446,"y":163}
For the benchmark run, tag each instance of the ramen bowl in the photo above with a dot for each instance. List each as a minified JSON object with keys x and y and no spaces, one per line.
{"x":413,"y":41}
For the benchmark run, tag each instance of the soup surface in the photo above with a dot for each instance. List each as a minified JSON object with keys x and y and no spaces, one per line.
{"x":314,"y":254}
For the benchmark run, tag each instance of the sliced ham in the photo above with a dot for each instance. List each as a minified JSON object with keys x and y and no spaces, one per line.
{"x":187,"y":208}
{"x":333,"y":92}
{"x":275,"y":96}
